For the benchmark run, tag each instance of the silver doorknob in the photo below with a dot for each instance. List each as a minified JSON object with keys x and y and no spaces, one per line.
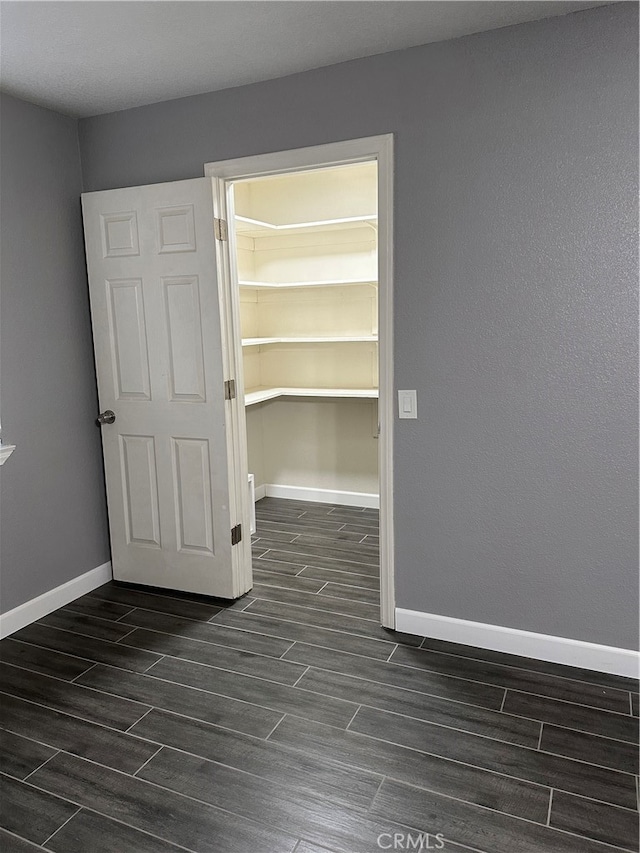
{"x":107,"y":417}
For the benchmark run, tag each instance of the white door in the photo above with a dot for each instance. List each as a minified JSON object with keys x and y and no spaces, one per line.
{"x":158,"y":321}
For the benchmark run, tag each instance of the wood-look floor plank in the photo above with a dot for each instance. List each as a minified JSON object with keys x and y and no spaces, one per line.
{"x":20,"y":756}
{"x":579,"y":717}
{"x":274,"y":536}
{"x":10,"y":843}
{"x":208,"y":632}
{"x":306,"y":847}
{"x":333,"y":621}
{"x":572,"y":672}
{"x":286,"y":581}
{"x":197,"y":610}
{"x":223,"y":657}
{"x":221,"y":710}
{"x":74,"y":699}
{"x":174,"y":818}
{"x":444,"y":712}
{"x":265,"y":694}
{"x":321,"y":535}
{"x":284,"y":768}
{"x":592,"y":748}
{"x":322,"y":562}
{"x":251,"y":797}
{"x":266,"y":522}
{"x":527,"y":764}
{"x":342,"y":578}
{"x":310,"y":600}
{"x":336,"y":590}
{"x":62,"y":731}
{"x":277,"y":566}
{"x":369,"y":556}
{"x":525,"y":680}
{"x":635,"y":704}
{"x":352,"y":547}
{"x":364,"y":527}
{"x":451,"y":778}
{"x":355,"y":512}
{"x":596,"y":820}
{"x":30,"y":813}
{"x":92,"y":606}
{"x":471,"y":825}
{"x":445,"y":686}
{"x":279,"y":513}
{"x":90,"y":648}
{"x":292,"y":631}
{"x":89,"y":832}
{"x":44,"y":661}
{"x":81,"y":623}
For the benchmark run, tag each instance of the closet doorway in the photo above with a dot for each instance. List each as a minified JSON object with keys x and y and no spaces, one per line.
{"x":306,"y":262}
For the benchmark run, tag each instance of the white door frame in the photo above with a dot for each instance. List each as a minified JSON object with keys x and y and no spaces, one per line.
{"x":379,"y":148}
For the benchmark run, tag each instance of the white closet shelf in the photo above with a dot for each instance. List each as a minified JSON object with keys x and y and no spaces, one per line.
{"x":260,"y":395}
{"x":334,"y":339}
{"x":259,"y":227}
{"x":325,"y":283}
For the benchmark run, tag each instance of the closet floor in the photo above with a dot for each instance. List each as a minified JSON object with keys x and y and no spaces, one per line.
{"x":138,"y":721}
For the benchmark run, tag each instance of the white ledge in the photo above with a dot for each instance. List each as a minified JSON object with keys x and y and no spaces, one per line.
{"x":5,"y":452}
{"x":260,"y":395}
{"x":300,"y":284}
{"x":333,"y":339}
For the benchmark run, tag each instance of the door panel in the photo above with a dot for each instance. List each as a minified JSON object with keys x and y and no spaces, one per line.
{"x":128,"y":339}
{"x":140,"y":490}
{"x":156,"y":316}
{"x":183,"y":323}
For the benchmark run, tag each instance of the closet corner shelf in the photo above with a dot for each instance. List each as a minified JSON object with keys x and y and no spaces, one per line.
{"x":326,"y":283}
{"x":334,"y":339}
{"x":260,"y":395}
{"x":257,"y":227}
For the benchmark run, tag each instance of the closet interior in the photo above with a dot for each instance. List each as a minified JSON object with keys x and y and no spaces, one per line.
{"x":307,"y":268}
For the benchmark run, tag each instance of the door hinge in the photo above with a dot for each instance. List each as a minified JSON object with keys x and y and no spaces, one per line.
{"x":236,"y":534}
{"x":230,"y":389}
{"x":220,"y":229}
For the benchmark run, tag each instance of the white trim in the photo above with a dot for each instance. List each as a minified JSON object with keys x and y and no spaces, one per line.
{"x":323,"y":496}
{"x":386,"y":411}
{"x":5,"y":452}
{"x":379,"y":148}
{"x":260,"y":492}
{"x":514,"y":641}
{"x":300,"y":159}
{"x":35,"y":609}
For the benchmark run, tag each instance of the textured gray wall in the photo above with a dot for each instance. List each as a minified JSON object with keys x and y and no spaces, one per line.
{"x":52,"y":506}
{"x":516,"y":265}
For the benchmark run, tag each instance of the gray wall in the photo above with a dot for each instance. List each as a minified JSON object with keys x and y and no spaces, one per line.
{"x":52,"y":506}
{"x":515,"y":306}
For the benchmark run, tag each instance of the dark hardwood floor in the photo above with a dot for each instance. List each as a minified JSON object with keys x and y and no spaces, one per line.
{"x":148,"y":722}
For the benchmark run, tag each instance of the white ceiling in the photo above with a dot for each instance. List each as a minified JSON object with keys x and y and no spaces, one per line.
{"x":86,"y":58}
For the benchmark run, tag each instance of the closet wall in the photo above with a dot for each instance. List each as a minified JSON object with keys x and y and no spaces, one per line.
{"x":307,"y":269}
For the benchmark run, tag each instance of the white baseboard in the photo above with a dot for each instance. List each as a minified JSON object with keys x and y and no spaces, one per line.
{"x":35,"y":609}
{"x":323,"y":496}
{"x":260,"y":492}
{"x":516,"y":642}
